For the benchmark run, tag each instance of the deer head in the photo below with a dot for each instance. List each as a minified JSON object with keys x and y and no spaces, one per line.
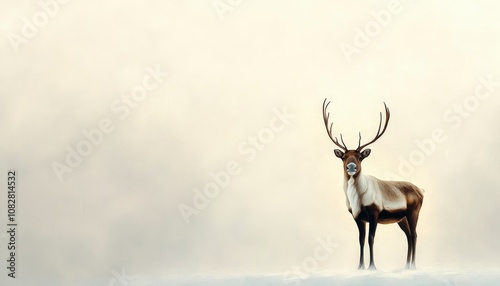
{"x":352,"y":158}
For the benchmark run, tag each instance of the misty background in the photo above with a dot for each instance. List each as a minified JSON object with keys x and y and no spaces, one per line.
{"x":228,"y":74}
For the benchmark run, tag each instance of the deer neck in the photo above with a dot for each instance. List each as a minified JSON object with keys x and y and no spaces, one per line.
{"x":354,"y":188}
{"x":359,"y":182}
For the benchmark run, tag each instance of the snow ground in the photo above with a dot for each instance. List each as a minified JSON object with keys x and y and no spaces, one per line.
{"x":361,"y":278}
{"x":414,"y":277}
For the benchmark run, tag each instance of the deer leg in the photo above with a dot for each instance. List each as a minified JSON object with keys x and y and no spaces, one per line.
{"x":412,"y":222}
{"x":371,"y":238}
{"x":403,"y":224}
{"x":362,"y":234}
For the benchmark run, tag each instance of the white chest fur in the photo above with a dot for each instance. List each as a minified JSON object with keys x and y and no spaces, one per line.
{"x":353,"y":200}
{"x":366,"y":191}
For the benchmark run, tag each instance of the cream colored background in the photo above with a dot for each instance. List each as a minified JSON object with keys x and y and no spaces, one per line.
{"x":120,"y":207}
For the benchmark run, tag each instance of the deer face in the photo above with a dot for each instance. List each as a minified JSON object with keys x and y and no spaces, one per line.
{"x":352,"y":160}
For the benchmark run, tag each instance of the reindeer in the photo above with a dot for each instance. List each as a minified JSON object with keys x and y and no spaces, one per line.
{"x":374,"y":201}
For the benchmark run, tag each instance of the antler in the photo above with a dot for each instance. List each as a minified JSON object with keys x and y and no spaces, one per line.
{"x":326,"y":116}
{"x":379,"y":134}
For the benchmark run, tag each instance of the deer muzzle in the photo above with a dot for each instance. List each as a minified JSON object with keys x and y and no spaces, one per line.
{"x":351,"y":168}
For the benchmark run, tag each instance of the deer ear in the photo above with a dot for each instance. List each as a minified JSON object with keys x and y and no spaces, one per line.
{"x":366,"y":153}
{"x":338,"y":153}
